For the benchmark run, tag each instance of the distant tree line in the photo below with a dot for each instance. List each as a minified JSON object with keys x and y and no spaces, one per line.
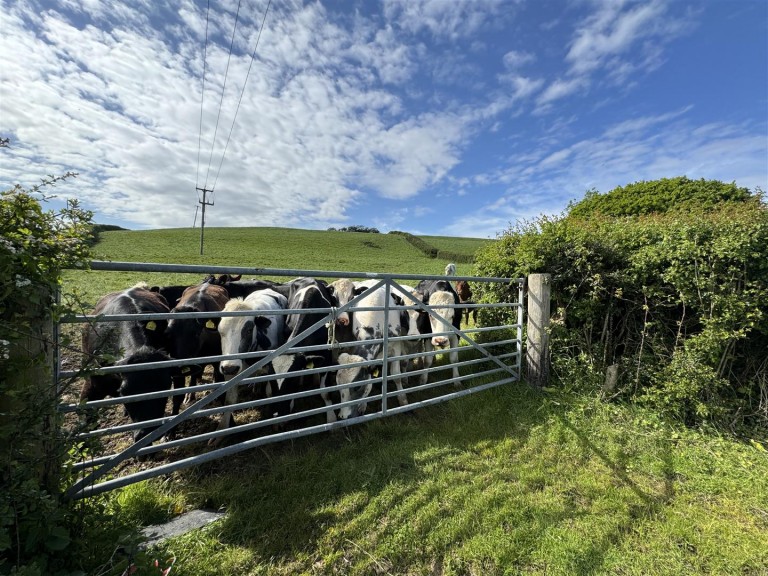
{"x":433,"y":252}
{"x":355,"y":228}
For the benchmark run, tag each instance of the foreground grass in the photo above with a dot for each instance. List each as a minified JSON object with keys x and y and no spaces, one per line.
{"x":504,"y":482}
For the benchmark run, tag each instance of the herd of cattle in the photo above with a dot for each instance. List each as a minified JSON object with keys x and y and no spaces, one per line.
{"x":144,"y":341}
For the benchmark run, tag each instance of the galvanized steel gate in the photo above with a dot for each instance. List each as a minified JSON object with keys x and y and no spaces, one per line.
{"x":505,"y":367}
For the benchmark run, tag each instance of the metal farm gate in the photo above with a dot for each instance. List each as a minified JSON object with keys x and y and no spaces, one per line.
{"x":111,"y":458}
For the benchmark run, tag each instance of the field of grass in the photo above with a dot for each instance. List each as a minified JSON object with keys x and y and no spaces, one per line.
{"x":505,"y":482}
{"x":508,"y":481}
{"x":282,"y":248}
{"x":459,"y":245}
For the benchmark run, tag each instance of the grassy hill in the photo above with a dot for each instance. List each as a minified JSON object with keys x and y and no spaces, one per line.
{"x":284,"y":248}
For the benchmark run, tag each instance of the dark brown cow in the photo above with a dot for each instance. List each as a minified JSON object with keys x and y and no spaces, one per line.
{"x":465,"y":297}
{"x":194,"y":337}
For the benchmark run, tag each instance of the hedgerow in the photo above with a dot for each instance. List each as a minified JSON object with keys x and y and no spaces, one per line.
{"x":678,"y":299}
{"x":41,"y":532}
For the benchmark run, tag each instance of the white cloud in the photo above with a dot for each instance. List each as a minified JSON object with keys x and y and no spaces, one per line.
{"x":645,"y":148}
{"x":623,"y":35}
{"x":561,"y":88}
{"x":515,"y":59}
{"x":122,"y":107}
{"x":448,"y":20}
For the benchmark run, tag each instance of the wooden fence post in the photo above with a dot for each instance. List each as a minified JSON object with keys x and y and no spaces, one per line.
{"x":537,"y":345}
{"x":30,"y":394}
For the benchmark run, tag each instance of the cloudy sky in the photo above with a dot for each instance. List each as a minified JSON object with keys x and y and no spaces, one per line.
{"x":442,"y":117}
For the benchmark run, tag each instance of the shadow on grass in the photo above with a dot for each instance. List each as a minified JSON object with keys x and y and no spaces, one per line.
{"x":413,"y":489}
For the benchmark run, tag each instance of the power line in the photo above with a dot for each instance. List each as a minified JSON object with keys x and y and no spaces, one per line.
{"x":223,"y":90}
{"x":242,"y":92}
{"x":204,"y":189}
{"x":202,"y":97}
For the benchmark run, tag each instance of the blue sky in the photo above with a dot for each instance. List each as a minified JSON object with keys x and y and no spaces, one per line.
{"x":440,"y":117}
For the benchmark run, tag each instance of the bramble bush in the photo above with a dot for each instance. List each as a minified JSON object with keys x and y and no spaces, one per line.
{"x":674,"y":293}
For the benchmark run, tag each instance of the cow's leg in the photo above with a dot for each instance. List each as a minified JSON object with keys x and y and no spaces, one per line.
{"x":179,"y":382}
{"x":330,"y":414}
{"x":453,"y":356}
{"x":394,"y":369}
{"x":428,"y":359}
{"x":227,"y":419}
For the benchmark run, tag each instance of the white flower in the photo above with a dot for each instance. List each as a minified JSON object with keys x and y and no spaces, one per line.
{"x":8,"y":245}
{"x":21,"y":281}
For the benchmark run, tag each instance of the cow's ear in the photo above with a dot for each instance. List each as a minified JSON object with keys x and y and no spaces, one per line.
{"x":359,"y":290}
{"x":397,"y":299}
{"x":331,"y":290}
{"x":262,"y":322}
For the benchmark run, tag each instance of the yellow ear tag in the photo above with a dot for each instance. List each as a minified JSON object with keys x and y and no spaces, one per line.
{"x":376,"y":373}
{"x":210,"y":324}
{"x":151,"y":325}
{"x":310,"y":365}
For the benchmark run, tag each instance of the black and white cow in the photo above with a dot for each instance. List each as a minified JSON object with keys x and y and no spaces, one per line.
{"x":438,"y":294}
{"x":303,"y":294}
{"x":370,"y":325}
{"x":239,"y":334}
{"x":133,"y":342}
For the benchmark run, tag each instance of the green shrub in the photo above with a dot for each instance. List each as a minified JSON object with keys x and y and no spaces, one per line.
{"x":677,"y":298}
{"x":38,"y":528}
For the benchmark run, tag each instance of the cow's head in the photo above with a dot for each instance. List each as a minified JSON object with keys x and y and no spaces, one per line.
{"x":145,"y":381}
{"x":185,"y":336}
{"x":440,"y":319}
{"x":417,"y":319}
{"x":351,"y":375}
{"x":342,"y":291}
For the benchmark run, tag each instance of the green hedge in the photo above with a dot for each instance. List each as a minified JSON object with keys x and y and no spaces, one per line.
{"x":41,"y":533}
{"x":433,"y":252}
{"x":679,"y":300}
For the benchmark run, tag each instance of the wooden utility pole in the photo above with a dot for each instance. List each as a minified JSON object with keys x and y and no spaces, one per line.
{"x":537,"y":349}
{"x":202,"y":216}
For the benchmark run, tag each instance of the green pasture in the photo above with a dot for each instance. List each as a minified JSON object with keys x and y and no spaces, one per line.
{"x":282,"y":248}
{"x":451,"y":244}
{"x":509,"y":481}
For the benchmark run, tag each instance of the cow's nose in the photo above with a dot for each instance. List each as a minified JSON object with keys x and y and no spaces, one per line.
{"x":439,"y":341}
{"x":229,"y":369}
{"x":343,"y":320}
